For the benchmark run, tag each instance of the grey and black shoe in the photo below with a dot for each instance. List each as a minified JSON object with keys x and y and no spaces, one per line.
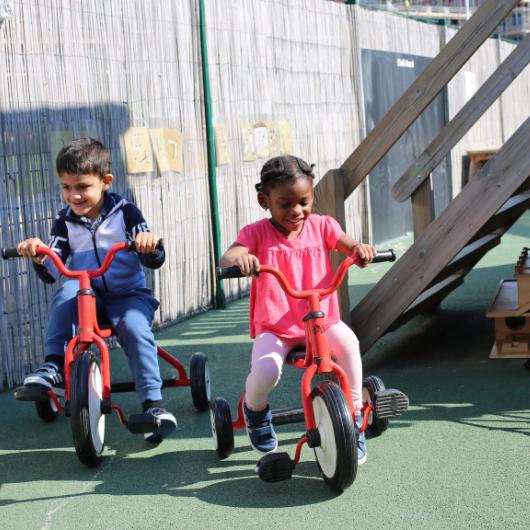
{"x":165,"y":421}
{"x":49,"y":376}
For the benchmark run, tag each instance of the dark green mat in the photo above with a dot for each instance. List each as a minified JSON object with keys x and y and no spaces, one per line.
{"x":460,"y":458}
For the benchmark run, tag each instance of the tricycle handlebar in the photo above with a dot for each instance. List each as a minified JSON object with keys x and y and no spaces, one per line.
{"x":10,"y":253}
{"x":384,"y":255}
{"x":129,"y":246}
{"x":234,"y":272}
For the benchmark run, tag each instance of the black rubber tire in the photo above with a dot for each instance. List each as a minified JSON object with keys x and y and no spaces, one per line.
{"x":222,"y":431}
{"x":200,"y":381}
{"x":376,"y":426}
{"x":337,"y":454}
{"x":46,"y":410}
{"x":88,"y":424}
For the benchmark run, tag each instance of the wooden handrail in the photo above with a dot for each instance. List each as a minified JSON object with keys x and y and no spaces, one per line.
{"x":423,"y":90}
{"x":470,"y":113}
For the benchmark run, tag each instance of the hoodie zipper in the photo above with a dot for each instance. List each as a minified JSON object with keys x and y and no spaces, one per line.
{"x":93,"y":235}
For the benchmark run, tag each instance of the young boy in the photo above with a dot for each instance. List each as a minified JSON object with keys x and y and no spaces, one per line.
{"x":93,"y":221}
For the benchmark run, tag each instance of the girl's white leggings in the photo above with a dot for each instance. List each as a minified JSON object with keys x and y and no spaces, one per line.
{"x":269,"y":353}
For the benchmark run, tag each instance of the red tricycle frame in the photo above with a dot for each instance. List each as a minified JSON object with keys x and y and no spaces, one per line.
{"x":89,"y":332}
{"x":317,"y":358}
{"x":333,"y":434}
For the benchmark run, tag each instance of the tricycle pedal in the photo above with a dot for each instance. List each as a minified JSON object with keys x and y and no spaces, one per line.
{"x":275,"y":467}
{"x":31,"y":393}
{"x":142,"y":423}
{"x":390,"y":402}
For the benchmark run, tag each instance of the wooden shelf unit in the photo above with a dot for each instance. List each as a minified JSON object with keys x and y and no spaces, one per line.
{"x":522,"y":275}
{"x":511,"y":313}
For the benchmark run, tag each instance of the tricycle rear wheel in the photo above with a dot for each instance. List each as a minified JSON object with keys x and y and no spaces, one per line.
{"x":222,"y":431}
{"x":376,"y":426}
{"x":47,"y":410}
{"x":200,"y":381}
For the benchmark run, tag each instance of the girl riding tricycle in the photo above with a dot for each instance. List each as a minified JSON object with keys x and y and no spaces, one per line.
{"x":295,"y":245}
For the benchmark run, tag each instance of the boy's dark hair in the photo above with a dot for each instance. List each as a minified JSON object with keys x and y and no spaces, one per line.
{"x":282,"y":169}
{"x":83,"y":156}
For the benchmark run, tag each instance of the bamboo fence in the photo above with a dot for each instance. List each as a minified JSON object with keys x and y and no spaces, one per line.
{"x":285,"y":77}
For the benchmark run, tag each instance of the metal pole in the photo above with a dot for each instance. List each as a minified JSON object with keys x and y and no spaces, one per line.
{"x":219,"y":300}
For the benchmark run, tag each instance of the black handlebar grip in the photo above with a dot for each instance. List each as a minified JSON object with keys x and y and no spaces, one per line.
{"x":223,"y":273}
{"x":10,"y":253}
{"x":159,"y":245}
{"x":384,"y":255}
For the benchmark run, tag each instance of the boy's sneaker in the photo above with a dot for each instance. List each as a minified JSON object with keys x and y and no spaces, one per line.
{"x":362,"y":453}
{"x":166,"y":424}
{"x":47,"y":375}
{"x":260,"y":431}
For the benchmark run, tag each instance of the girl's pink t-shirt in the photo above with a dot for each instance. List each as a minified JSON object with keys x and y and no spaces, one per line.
{"x":305,"y":261}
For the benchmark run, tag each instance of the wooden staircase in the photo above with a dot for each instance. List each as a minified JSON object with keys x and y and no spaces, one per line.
{"x":445,"y":248}
{"x":452,"y":275}
{"x":449,"y":246}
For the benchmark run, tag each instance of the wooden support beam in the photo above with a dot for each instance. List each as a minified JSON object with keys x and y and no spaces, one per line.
{"x":470,"y":113}
{"x":329,"y":200}
{"x":329,"y":197}
{"x":445,"y":237}
{"x":424,"y":89}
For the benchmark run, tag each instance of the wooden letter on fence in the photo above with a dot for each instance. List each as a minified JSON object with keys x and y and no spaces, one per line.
{"x":168,"y":149}
{"x":138,"y":150}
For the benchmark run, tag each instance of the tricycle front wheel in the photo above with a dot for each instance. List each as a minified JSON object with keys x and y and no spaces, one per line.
{"x":337,"y":453}
{"x":88,"y":423}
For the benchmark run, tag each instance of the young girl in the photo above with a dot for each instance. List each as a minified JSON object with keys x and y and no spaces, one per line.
{"x":298,"y":243}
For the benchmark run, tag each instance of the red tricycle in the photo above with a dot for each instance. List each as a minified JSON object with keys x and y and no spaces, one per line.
{"x":327,"y":410}
{"x":87,"y":380}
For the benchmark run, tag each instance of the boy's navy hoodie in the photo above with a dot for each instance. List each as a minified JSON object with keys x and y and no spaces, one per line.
{"x":86,"y":243}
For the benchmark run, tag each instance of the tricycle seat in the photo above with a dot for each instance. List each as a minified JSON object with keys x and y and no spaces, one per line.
{"x":296,"y":355}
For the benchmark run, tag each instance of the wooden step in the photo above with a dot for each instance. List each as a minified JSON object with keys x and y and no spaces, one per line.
{"x":489,"y":236}
{"x":507,"y":214}
{"x":430,"y":298}
{"x":466,"y":259}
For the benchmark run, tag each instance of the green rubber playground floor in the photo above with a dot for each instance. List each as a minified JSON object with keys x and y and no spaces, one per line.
{"x":459,"y":458}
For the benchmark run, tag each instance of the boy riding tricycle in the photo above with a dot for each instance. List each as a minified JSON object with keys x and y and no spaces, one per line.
{"x":104,"y":283}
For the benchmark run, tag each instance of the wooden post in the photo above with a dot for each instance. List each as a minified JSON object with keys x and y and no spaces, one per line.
{"x":422,"y":201}
{"x":422,"y":207}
